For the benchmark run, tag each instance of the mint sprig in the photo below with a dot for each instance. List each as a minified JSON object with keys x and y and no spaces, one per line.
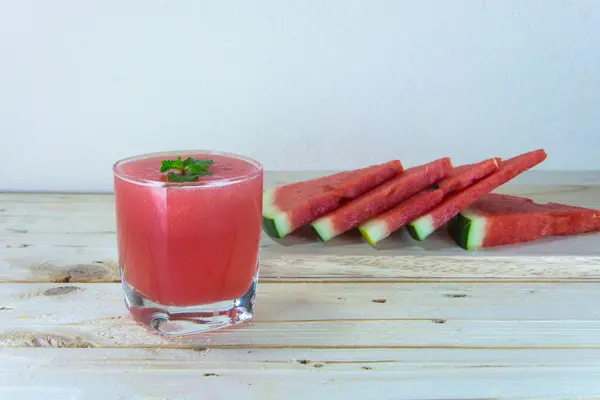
{"x":190,"y":169}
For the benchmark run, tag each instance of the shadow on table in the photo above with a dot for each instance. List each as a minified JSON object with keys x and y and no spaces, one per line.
{"x":439,"y":240}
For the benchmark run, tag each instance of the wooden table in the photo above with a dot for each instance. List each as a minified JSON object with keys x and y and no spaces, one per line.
{"x":338,"y":320}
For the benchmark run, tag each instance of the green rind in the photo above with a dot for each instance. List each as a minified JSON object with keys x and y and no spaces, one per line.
{"x":275,"y":222}
{"x":412,"y":232}
{"x":459,"y":228}
{"x":365,"y":234}
{"x":316,"y":232}
{"x":468,"y":230}
{"x":477,"y":232}
{"x":322,"y":227}
{"x":270,"y":228}
{"x":420,"y":228}
{"x":373,"y":231}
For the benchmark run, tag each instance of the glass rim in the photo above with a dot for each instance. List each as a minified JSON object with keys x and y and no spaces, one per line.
{"x":156,"y":183}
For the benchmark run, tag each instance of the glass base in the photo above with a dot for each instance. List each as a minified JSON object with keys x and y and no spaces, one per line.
{"x":173,"y":320}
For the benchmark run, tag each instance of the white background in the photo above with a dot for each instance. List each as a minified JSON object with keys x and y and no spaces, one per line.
{"x":297,"y":85}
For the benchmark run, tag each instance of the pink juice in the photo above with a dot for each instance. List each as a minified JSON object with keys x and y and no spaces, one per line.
{"x":183,"y":244}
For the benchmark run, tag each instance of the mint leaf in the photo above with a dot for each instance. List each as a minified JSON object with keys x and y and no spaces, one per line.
{"x":171,"y":164}
{"x":173,"y":177}
{"x":204,"y":163}
{"x":189,"y":169}
{"x":197,"y":169}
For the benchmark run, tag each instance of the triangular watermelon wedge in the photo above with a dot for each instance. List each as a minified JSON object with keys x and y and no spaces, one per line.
{"x":287,"y":208}
{"x":382,"y":198}
{"x":378,"y":228}
{"x":383,"y":225}
{"x":466,"y":175}
{"x":425,"y":225}
{"x":498,"y":220}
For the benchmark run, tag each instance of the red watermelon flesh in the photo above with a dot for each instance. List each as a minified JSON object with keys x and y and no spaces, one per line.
{"x":466,"y":175}
{"x":458,"y":201}
{"x":383,"y":225}
{"x":288,"y":207}
{"x":497,"y":220}
{"x":381,"y":198}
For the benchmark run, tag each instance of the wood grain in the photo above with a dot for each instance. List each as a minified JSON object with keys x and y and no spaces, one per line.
{"x":29,"y":264}
{"x":322,"y":316}
{"x":96,"y":373}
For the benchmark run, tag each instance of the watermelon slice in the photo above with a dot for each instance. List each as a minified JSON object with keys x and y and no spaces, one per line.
{"x":497,"y":220}
{"x":383,"y":225}
{"x":288,"y":207}
{"x":425,"y":225}
{"x":381,"y":198}
{"x":466,"y":175}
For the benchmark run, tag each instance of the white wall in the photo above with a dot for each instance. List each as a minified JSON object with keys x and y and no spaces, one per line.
{"x":295,"y":84}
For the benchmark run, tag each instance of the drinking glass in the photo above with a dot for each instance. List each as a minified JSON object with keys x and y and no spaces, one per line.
{"x":188,"y":251}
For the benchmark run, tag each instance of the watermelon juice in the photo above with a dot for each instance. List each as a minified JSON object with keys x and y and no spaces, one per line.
{"x":188,"y":251}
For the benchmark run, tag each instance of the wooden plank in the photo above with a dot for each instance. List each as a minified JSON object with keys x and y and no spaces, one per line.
{"x":50,"y":373}
{"x":316,"y":315}
{"x":65,"y":223}
{"x":344,"y":301}
{"x":350,"y":243}
{"x":81,"y":264}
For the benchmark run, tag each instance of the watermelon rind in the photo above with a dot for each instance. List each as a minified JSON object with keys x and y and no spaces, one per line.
{"x":324,"y":229}
{"x":270,"y":228}
{"x":467,"y":229}
{"x":420,"y":228}
{"x":373,"y":231}
{"x":275,"y":222}
{"x":458,"y":228}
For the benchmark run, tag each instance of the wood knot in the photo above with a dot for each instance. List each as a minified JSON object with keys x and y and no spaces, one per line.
{"x":61,"y":290}
{"x":381,"y":301}
{"x":54,"y":340}
{"x":201,"y":350}
{"x":456,"y":296}
{"x":30,"y":339}
{"x":105,"y":272}
{"x":12,"y":230}
{"x":87,"y":272}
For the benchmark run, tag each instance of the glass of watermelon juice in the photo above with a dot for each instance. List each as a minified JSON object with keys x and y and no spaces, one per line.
{"x":188,"y":251}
